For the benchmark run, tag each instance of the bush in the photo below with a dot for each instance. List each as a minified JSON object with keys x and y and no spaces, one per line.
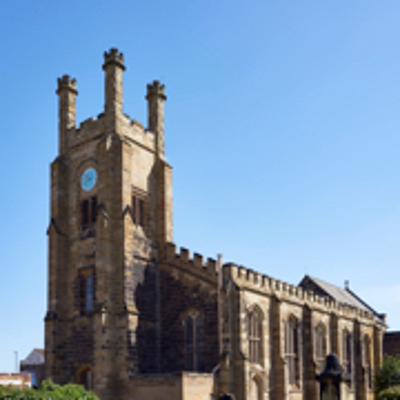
{"x":392,"y":393}
{"x":387,"y":378}
{"x":47,"y":391}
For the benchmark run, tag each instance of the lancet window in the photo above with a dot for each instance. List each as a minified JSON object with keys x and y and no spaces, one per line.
{"x":320,"y":346}
{"x":194,"y":342}
{"x":347,"y":353}
{"x":139,"y":207}
{"x":86,"y":290}
{"x":254,"y":334}
{"x":292,"y":350}
{"x":89,"y":215}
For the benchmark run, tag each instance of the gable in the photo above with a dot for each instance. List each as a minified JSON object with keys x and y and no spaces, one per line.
{"x":343,"y":296}
{"x":35,"y":357}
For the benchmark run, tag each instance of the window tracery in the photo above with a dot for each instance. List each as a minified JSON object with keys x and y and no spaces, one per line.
{"x":254,"y":336}
{"x":320,"y":346}
{"x":292,"y":350}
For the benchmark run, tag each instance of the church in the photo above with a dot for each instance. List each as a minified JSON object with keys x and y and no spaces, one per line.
{"x":130,"y":316}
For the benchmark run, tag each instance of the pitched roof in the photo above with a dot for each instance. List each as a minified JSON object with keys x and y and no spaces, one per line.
{"x":35,"y":357}
{"x":41,"y":351}
{"x":344,"y":296}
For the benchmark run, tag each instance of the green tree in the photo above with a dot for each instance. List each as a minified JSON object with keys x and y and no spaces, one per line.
{"x":387,"y":379}
{"x":47,"y":391}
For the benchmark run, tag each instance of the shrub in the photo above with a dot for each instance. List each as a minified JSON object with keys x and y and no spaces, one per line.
{"x":47,"y":391}
{"x":392,"y":393}
{"x":387,"y":378}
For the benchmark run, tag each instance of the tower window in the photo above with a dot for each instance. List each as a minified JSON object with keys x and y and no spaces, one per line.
{"x":139,"y":207}
{"x":86,"y":290}
{"x":194,"y":342}
{"x":89,"y":215}
{"x":89,"y":293}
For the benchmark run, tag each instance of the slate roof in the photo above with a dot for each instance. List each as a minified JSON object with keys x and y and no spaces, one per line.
{"x":35,"y":357}
{"x":344,"y":296}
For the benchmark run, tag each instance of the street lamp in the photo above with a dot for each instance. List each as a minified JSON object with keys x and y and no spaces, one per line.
{"x":16,"y":361}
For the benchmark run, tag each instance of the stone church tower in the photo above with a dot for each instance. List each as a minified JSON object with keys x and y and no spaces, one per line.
{"x":111,"y":215}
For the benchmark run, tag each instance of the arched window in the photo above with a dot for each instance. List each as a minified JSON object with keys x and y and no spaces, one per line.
{"x":320,"y":346}
{"x":86,"y":290}
{"x":194,"y":342}
{"x":88,"y":217}
{"x":292,"y":350}
{"x":347,"y":353}
{"x":367,"y":361}
{"x":254,"y":335}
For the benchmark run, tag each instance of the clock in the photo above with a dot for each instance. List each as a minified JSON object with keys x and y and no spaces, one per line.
{"x":89,"y":179}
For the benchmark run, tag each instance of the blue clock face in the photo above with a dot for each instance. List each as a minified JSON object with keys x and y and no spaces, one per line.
{"x":89,"y":179}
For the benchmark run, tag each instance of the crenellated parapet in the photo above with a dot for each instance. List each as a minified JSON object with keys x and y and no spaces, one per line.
{"x":112,"y":119}
{"x":195,"y":265}
{"x":265,"y":285}
{"x":91,"y":128}
{"x":249,"y":279}
{"x":156,"y":89}
{"x":114,"y":57}
{"x":66,"y":83}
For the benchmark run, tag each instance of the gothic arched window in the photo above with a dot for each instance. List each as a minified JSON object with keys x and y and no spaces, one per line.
{"x":292,"y":350}
{"x":320,"y":346}
{"x":86,"y":290}
{"x":347,"y":353}
{"x":254,"y":335}
{"x":194,"y":342}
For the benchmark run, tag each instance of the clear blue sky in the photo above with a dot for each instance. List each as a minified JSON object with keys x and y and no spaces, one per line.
{"x":282,"y":124}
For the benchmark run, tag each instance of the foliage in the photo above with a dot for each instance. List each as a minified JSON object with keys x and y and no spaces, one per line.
{"x":387,"y":378}
{"x":391,"y":393}
{"x":47,"y":391}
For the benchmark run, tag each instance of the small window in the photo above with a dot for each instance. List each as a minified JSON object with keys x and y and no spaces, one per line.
{"x":194,"y":342}
{"x":139,"y":207}
{"x":138,"y":211}
{"x":89,"y":214}
{"x":292,"y":350}
{"x":254,"y":334}
{"x":86,"y":290}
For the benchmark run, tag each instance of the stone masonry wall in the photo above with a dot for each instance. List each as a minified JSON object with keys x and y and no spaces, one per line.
{"x":187,"y":284}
